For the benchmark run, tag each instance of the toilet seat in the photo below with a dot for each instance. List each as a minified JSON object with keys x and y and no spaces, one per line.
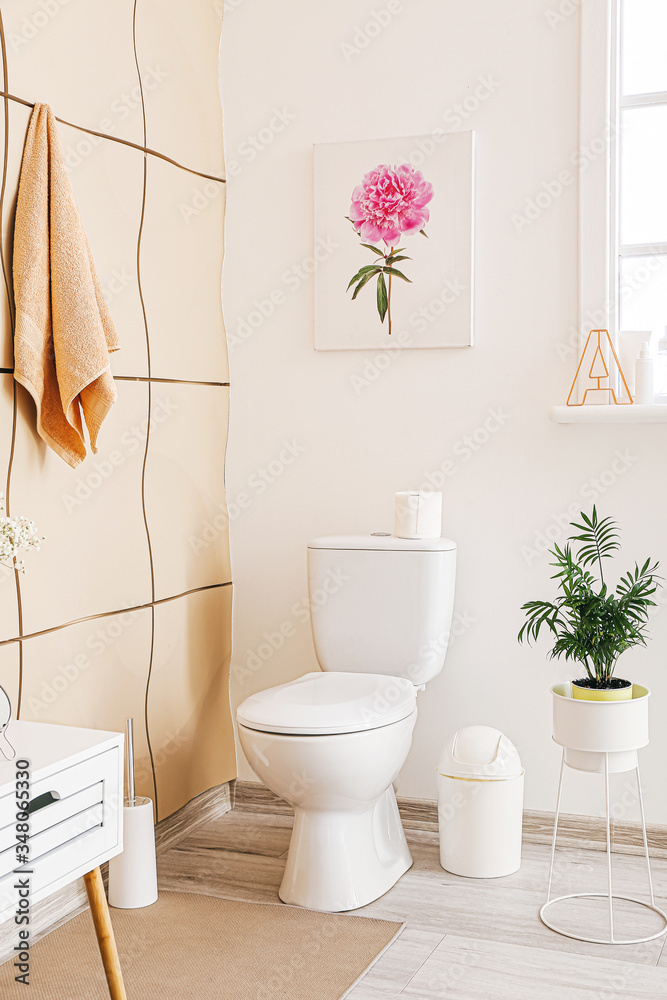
{"x":326,"y":703}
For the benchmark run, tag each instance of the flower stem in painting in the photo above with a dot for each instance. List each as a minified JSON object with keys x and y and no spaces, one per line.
{"x":389,"y":302}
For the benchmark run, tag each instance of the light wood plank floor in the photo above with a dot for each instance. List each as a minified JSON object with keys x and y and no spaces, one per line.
{"x":464,"y":938}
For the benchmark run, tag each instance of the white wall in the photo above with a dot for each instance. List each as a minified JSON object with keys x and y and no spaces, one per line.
{"x":359,"y":447}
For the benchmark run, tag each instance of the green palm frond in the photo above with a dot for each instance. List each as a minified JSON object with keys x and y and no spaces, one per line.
{"x":599,"y":539}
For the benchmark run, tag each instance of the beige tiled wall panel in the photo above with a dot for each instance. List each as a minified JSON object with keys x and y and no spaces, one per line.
{"x":8,"y":606}
{"x":185,"y":487}
{"x":177,"y":45}
{"x":181,"y":253}
{"x":144,"y":520}
{"x":16,"y":129}
{"x":107,"y":180}
{"x":9,"y":667}
{"x":93,"y":675}
{"x":77,"y":57}
{"x":95,"y":556}
{"x":189,"y":703}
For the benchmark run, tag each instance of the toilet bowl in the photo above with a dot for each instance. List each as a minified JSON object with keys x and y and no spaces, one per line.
{"x":332,"y":742}
{"x":348,"y":845}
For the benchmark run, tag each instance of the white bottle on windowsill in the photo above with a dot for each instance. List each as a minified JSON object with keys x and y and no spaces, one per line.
{"x":644,"y":376}
{"x":660,"y":372}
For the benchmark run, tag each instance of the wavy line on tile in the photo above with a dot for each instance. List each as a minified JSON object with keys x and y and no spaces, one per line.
{"x":119,"y":611}
{"x":146,"y":378}
{"x":17,"y":577}
{"x":193,"y":590}
{"x":125,"y":142}
{"x":167,"y":381}
{"x":223,"y":330}
{"x":150,"y":406}
{"x":10,"y":308}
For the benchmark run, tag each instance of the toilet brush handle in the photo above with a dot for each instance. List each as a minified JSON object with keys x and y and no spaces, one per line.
{"x":129,"y":760}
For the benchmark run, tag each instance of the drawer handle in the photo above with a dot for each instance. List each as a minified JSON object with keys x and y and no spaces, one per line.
{"x":43,"y":800}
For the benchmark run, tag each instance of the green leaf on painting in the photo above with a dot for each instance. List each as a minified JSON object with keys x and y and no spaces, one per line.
{"x":369,"y":246}
{"x":396,"y":273}
{"x":361,"y":272}
{"x":422,"y":233}
{"x":382,"y":300}
{"x":366,"y":278}
{"x":393,"y":258}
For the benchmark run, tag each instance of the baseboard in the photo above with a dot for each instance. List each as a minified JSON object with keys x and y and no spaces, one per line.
{"x":252,"y":796}
{"x":589,"y":832}
{"x":574,"y":831}
{"x":50,"y":913}
{"x":207,"y":806}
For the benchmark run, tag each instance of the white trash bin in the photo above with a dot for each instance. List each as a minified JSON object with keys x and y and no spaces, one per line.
{"x":480,"y":804}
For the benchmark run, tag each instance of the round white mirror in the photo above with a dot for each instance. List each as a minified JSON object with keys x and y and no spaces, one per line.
{"x":5,"y":709}
{"x":6,"y":749}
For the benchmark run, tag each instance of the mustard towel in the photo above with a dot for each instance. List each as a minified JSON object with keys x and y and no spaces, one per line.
{"x":64,"y":331}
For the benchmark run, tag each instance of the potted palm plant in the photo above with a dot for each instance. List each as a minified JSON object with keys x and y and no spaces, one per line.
{"x":591,"y":623}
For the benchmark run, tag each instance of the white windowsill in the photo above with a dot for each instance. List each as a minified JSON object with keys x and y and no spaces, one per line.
{"x":654,"y":413}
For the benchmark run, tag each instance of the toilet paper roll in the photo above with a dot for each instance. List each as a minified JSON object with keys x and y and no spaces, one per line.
{"x":133,"y":874}
{"x":418,"y":514}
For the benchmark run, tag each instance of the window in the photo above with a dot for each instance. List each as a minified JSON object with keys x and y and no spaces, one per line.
{"x":623,"y":167}
{"x":641,"y":242}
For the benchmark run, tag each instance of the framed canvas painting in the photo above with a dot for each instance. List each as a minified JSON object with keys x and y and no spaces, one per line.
{"x":397,"y":217}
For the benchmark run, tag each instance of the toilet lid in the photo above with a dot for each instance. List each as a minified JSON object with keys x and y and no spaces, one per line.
{"x":320,"y":703}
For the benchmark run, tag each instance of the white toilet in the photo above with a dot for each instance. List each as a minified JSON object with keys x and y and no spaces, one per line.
{"x":331,"y":743}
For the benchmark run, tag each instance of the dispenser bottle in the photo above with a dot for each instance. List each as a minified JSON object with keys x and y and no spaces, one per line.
{"x":644,"y":376}
{"x":660,"y":372}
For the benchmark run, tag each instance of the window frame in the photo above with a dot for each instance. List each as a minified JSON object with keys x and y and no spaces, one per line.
{"x":601,"y":110}
{"x":598,"y":294}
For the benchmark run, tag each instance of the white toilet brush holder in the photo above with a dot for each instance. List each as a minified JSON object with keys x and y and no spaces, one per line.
{"x":133,"y":874}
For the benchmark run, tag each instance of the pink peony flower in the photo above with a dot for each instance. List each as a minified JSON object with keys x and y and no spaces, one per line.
{"x":390,"y":201}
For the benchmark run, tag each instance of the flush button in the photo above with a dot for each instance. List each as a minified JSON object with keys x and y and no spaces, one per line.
{"x":380,"y":534}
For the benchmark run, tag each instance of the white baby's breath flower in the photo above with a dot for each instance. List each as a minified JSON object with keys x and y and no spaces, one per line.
{"x":16,"y":534}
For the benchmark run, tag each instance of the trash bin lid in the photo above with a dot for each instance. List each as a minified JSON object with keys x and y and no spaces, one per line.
{"x":479,"y":753}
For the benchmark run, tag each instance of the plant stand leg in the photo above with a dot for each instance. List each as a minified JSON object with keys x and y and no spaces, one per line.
{"x":641,"y":810}
{"x":553,"y":839}
{"x":608,"y":818}
{"x":105,"y":936}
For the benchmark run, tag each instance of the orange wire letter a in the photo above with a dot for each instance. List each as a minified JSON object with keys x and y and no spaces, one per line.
{"x":597,"y":343}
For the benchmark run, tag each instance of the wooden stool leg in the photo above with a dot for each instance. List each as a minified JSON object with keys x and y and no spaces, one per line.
{"x":104,"y":931}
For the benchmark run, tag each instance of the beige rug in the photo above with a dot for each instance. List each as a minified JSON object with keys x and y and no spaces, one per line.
{"x":191,"y":947}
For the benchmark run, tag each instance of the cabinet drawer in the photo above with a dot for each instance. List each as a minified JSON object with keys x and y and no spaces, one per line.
{"x":75,"y":819}
{"x":54,"y":837}
{"x":49,"y":869}
{"x":52,"y":813}
{"x":66,"y":782}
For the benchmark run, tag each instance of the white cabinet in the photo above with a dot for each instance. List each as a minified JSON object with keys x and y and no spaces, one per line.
{"x":75,"y":796}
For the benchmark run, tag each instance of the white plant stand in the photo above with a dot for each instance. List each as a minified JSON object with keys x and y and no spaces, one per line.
{"x":601,"y":737}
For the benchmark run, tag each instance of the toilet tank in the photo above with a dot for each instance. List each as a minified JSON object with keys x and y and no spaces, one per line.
{"x":382,"y":605}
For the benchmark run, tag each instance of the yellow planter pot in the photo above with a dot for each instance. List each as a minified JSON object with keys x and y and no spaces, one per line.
{"x":601,"y":694}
